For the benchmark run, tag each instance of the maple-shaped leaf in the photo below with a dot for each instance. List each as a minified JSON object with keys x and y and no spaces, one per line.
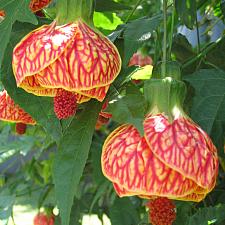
{"x":15,"y":10}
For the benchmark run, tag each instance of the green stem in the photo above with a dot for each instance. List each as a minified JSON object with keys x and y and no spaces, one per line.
{"x":133,"y":10}
{"x":198,"y":35}
{"x":202,"y":54}
{"x":164,"y":38}
{"x":172,"y":27}
{"x":69,"y":11}
{"x":12,"y":217}
{"x":212,"y":25}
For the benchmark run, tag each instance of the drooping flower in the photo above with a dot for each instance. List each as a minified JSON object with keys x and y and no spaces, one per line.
{"x":11,"y":112}
{"x":162,"y":211}
{"x":175,"y":158}
{"x":21,"y":128}
{"x":73,"y":57}
{"x":140,"y":60}
{"x":36,"y":5}
{"x":43,"y":219}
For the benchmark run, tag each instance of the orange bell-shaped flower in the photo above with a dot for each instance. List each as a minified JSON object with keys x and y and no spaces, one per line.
{"x":175,"y":158}
{"x":74,"y":57}
{"x":11,"y":112}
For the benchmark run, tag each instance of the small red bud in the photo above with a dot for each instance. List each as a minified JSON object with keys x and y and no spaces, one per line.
{"x":21,"y":128}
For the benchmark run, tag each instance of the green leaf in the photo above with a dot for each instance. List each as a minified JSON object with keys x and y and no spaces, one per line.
{"x":71,"y":158}
{"x":15,"y":10}
{"x":107,"y":21}
{"x":209,"y":215}
{"x":222,"y":5}
{"x":40,"y":108}
{"x":75,"y":213}
{"x":109,"y":5}
{"x":123,"y":212}
{"x":142,"y":73}
{"x":96,"y":152}
{"x":186,"y":10}
{"x":216,"y":55}
{"x":129,"y":108}
{"x":100,"y":192}
{"x":22,"y":144}
{"x":183,"y":210}
{"x":182,"y":48}
{"x":137,"y":32}
{"x":208,"y":108}
{"x":6,"y":205}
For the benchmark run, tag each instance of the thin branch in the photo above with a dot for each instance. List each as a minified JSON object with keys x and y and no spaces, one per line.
{"x":198,"y":35}
{"x":133,"y":10}
{"x":202,"y":54}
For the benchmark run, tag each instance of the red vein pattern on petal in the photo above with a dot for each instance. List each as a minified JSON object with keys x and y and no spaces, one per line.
{"x":90,"y":61}
{"x":40,"y":48}
{"x":36,"y":5}
{"x":30,"y":84}
{"x":99,"y":92}
{"x":195,"y":197}
{"x":128,"y":161}
{"x":11,"y":112}
{"x":183,"y":146}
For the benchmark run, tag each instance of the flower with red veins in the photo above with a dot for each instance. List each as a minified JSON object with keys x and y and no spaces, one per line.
{"x":11,"y":112}
{"x":36,"y":5}
{"x":175,"y":158}
{"x":73,"y":57}
{"x":162,"y":211}
{"x":43,"y":219}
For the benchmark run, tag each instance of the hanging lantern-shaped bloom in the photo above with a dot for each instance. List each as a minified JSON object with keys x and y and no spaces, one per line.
{"x":11,"y":112}
{"x":175,"y":158}
{"x":140,"y":60}
{"x":36,"y":5}
{"x":74,"y":57}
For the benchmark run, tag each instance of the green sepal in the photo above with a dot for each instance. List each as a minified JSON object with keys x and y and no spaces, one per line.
{"x":172,"y":70}
{"x":69,"y":11}
{"x":165,"y":96}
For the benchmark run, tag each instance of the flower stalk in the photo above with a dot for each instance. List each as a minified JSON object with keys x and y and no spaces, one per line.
{"x":164,"y":38}
{"x":69,"y":11}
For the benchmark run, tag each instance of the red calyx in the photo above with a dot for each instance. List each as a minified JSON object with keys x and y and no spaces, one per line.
{"x":103,"y":120}
{"x":162,"y":211}
{"x":42,"y":219}
{"x":65,"y":104}
{"x":21,"y":128}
